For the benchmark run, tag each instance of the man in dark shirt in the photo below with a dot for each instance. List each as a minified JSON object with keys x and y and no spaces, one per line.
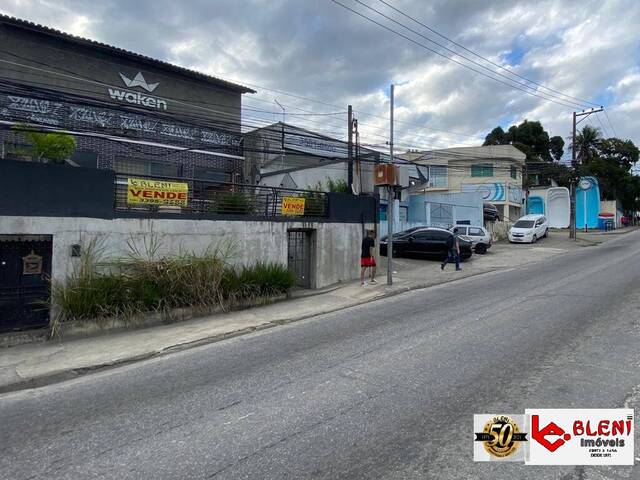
{"x":453,"y":250}
{"x":367,"y":257}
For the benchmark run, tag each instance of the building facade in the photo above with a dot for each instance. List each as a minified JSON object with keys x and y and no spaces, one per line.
{"x":127,"y":112}
{"x":494,"y":171}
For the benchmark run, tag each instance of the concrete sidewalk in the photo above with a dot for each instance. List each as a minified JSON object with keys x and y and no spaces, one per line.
{"x":32,"y":365}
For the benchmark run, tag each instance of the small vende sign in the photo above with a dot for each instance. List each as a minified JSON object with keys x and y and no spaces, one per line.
{"x":156,"y":192}
{"x":292,"y":206}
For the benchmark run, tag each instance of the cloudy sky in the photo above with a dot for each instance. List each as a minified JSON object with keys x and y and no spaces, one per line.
{"x":316,"y":49}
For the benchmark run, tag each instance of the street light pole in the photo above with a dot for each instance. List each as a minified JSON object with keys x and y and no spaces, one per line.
{"x":390,"y":198}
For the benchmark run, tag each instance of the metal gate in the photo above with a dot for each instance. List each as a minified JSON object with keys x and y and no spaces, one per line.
{"x":25,"y":268}
{"x":299,"y":256}
{"x":441,"y":215}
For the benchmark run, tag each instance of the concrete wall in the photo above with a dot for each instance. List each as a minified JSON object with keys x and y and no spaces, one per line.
{"x":611,"y":206}
{"x":336,"y":245}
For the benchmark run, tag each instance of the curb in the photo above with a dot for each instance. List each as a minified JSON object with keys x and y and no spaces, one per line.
{"x":73,"y":373}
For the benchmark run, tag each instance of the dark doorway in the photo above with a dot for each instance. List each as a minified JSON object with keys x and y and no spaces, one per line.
{"x":299,"y":256}
{"x":25,"y":269}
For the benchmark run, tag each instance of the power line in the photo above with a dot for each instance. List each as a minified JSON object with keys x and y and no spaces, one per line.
{"x":572,"y":105}
{"x":611,"y":124}
{"x":484,"y":58}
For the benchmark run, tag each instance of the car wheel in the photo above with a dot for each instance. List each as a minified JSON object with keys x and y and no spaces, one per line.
{"x":546,"y":233}
{"x":395,"y":253}
{"x":534,"y":239}
{"x":481,"y":248}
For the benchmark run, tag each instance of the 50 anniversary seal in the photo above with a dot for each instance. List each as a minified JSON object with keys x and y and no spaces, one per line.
{"x":501,"y":436}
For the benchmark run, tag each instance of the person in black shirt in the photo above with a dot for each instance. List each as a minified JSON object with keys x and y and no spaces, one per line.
{"x":453,"y":250}
{"x":367,"y":257}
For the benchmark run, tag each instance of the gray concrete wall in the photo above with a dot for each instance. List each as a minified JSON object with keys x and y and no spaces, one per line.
{"x":335,"y":258}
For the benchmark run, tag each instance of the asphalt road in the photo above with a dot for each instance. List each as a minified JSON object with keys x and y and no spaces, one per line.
{"x":384,"y":390}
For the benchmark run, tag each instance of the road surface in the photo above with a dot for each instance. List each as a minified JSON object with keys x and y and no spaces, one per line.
{"x":384,"y":390}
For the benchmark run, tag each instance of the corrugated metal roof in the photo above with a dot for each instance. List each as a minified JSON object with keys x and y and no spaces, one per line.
{"x":19,"y":23}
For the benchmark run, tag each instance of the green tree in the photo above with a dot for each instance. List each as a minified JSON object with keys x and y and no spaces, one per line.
{"x":531,"y":138}
{"x":587,"y":144}
{"x":497,"y":136}
{"x":610,"y":160}
{"x":49,"y":147}
{"x":622,"y":152}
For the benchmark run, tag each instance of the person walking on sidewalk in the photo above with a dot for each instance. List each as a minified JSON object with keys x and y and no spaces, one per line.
{"x":453,"y":250}
{"x":367,"y":257}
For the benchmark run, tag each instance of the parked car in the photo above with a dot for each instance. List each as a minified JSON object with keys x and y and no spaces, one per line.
{"x":425,"y":242}
{"x":479,"y":237}
{"x":490,"y":212}
{"x":529,"y":229}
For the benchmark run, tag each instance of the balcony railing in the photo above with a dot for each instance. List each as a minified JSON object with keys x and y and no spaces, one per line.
{"x":153,"y":194}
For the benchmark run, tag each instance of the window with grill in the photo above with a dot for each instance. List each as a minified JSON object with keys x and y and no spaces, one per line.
{"x":514,"y":172}
{"x":438,"y":176}
{"x":482,"y":170}
{"x":135,"y":166}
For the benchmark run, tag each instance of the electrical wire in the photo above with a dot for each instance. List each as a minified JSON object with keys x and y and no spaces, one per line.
{"x":422,"y":45}
{"x":484,"y":58}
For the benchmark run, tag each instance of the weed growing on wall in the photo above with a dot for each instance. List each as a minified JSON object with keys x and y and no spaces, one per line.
{"x":148,"y":281}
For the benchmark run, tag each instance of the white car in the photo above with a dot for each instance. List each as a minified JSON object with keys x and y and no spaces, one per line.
{"x":478,"y":236}
{"x":529,"y":229}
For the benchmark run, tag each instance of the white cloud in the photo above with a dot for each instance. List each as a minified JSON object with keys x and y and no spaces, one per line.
{"x":316,"y":49}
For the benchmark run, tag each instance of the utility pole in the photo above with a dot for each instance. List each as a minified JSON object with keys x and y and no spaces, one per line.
{"x":358,"y":166}
{"x":390,"y":198}
{"x":282,"y":131}
{"x":574,"y":165}
{"x":350,"y":148}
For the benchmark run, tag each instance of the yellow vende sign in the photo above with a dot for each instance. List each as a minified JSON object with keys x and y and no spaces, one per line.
{"x":292,"y":206}
{"x":157,"y":192}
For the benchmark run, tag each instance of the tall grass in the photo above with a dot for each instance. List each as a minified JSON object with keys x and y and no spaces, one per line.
{"x":146,"y":281}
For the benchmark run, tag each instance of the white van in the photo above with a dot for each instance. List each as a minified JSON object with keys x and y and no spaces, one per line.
{"x":529,"y":229}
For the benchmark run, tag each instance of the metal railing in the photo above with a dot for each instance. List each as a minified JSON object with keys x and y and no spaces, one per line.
{"x":201,"y":197}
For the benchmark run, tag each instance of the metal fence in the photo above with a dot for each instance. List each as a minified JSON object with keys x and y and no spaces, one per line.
{"x":154,"y":194}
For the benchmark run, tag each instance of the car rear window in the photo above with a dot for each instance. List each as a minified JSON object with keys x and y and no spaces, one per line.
{"x":524,"y":224}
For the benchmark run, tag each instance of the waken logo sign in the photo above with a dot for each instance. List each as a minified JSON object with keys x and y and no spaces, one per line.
{"x":136,"y":97}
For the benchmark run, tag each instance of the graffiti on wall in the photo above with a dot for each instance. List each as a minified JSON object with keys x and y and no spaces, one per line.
{"x":45,"y":112}
{"x":491,"y":192}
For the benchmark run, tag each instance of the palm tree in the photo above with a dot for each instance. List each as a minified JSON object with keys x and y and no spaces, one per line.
{"x":587,"y":144}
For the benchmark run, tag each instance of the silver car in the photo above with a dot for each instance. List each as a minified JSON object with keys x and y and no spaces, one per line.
{"x":479,"y":237}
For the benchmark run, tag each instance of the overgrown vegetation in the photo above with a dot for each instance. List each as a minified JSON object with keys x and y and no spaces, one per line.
{"x":337,"y":186}
{"x":146,"y":281}
{"x":238,"y":203}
